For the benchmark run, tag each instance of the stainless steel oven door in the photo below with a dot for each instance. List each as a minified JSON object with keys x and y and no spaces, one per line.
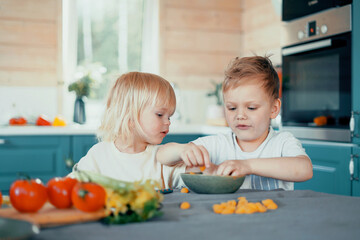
{"x":317,"y":82}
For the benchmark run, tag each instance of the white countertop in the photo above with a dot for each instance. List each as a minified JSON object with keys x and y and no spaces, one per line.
{"x":77,"y":129}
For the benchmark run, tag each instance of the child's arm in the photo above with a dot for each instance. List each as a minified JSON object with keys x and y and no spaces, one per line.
{"x":192,"y":155}
{"x":294,"y":169}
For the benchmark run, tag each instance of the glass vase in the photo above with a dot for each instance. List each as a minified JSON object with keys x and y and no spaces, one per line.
{"x":79,"y":111}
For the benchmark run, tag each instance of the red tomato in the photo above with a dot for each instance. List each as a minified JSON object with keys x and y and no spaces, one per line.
{"x":0,"y":199}
{"x":17,"y":121}
{"x":28,"y":195}
{"x":59,"y":191}
{"x":88,"y":197}
{"x":42,"y":121}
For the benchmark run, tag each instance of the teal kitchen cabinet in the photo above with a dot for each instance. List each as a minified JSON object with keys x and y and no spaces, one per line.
{"x":80,"y":146}
{"x":355,"y":183}
{"x":181,"y":138}
{"x":41,"y":157}
{"x":38,"y":156}
{"x":330,"y":168}
{"x":355,"y":70}
{"x":48,"y":156}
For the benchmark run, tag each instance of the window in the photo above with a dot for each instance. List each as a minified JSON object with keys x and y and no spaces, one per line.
{"x":110,"y":33}
{"x":116,"y":35}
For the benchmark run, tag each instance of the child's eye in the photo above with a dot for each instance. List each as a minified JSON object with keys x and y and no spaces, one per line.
{"x":232,"y":108}
{"x":159,"y":114}
{"x":252,"y":108}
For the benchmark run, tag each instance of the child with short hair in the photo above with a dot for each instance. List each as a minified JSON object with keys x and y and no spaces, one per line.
{"x":269,"y":159}
{"x":136,"y":120}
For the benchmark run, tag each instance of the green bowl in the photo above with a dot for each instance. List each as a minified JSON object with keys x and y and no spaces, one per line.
{"x":211,"y":184}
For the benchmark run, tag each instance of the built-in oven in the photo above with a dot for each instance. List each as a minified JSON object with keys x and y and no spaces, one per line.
{"x":316,"y":71}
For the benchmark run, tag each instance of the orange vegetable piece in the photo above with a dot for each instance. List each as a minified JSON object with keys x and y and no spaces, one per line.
{"x":59,"y":122}
{"x":243,"y":206}
{"x":228,"y":210}
{"x":18,"y":121}
{"x":184,"y":190}
{"x":218,"y":208}
{"x":249,"y":210}
{"x":240,"y":210}
{"x":272,"y":206}
{"x":269,"y":204}
{"x":185,"y":205}
{"x":202,"y":168}
{"x":252,"y":206}
{"x":267,"y":201}
{"x":320,"y":121}
{"x":192,"y":173}
{"x":231,"y":203}
{"x":260,"y":207}
{"x":242,"y":200}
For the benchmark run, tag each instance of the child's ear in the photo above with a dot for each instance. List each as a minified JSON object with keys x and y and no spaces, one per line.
{"x":275,"y":109}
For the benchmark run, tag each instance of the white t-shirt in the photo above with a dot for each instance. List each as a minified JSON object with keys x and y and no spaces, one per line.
{"x":224,"y":147}
{"x":104,"y":158}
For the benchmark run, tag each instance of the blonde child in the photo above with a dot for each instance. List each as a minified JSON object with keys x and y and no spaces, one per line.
{"x":136,"y":120}
{"x":269,"y":159}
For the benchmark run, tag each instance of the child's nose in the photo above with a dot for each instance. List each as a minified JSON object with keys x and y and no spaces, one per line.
{"x":241,"y":114}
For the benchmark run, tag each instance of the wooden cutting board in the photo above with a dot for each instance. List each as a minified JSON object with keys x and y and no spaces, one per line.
{"x":49,"y":216}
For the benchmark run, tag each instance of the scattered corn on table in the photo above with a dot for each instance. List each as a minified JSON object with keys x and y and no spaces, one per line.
{"x":297,"y":215}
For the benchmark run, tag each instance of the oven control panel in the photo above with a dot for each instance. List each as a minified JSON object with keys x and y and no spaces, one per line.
{"x":319,"y":25}
{"x":311,"y":29}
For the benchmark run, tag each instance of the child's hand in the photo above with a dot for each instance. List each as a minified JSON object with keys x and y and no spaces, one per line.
{"x":234,"y":168}
{"x":195,"y":155}
{"x":211,"y":170}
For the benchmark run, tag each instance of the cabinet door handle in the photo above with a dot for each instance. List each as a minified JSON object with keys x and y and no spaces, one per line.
{"x":352,"y":124}
{"x":2,"y":141}
{"x":69,"y":163}
{"x":351,"y":168}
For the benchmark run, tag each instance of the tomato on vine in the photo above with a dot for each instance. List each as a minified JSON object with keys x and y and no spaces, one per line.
{"x":59,"y":191}
{"x":88,"y":197}
{"x":28,"y":195}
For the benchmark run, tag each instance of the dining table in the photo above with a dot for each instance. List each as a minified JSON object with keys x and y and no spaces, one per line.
{"x":301,"y":214}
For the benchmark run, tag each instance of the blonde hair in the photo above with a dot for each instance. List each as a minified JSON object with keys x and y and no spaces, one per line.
{"x":248,"y":68}
{"x":131,"y":93}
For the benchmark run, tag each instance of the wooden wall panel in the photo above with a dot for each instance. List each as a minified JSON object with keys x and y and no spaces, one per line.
{"x":262,"y":29}
{"x":197,"y":40}
{"x":30,"y":43}
{"x":196,"y":64}
{"x":42,"y":34}
{"x":203,"y":19}
{"x":40,"y":10}
{"x":31,"y":58}
{"x":230,"y":5}
{"x":27,"y":78}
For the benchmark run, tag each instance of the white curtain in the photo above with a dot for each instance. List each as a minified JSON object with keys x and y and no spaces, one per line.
{"x":122,"y":33}
{"x":150,"y":41}
{"x":69,"y":54}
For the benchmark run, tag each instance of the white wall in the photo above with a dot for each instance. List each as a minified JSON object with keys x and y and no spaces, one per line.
{"x":29,"y":102}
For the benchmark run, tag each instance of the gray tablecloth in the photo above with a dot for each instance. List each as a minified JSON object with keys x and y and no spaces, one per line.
{"x":301,"y":215}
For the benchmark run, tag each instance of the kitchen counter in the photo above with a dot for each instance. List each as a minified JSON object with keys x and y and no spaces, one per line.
{"x":77,"y":129}
{"x":301,"y":215}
